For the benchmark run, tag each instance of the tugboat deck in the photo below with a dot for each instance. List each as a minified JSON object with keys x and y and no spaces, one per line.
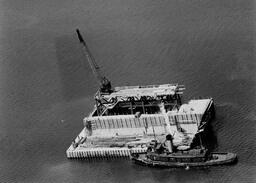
{"x":218,"y":159}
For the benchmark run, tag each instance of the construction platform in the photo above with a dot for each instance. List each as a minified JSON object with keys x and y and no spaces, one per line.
{"x":126,"y":120}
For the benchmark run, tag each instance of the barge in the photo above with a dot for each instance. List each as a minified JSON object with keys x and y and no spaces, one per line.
{"x":125,"y":119}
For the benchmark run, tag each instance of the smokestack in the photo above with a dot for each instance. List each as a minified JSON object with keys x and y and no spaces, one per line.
{"x":169,"y":142}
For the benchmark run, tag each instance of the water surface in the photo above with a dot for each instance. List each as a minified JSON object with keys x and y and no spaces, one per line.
{"x":47,"y":87}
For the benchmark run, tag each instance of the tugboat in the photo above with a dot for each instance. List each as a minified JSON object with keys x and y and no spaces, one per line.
{"x":167,"y":155}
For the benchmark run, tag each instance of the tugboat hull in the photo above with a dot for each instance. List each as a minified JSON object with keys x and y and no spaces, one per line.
{"x":217,"y":159}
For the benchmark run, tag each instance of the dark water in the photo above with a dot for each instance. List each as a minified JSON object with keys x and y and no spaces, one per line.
{"x":207,"y":45}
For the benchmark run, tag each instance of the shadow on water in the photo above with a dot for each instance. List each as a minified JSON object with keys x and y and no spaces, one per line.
{"x":75,"y":73}
{"x":208,"y":138}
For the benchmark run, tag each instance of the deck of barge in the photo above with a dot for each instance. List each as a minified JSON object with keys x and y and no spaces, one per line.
{"x":119,"y":136}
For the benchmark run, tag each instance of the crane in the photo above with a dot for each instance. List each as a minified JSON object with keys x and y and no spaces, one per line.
{"x":105,"y":84}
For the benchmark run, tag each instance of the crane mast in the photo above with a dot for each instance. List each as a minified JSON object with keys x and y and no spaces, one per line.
{"x":105,"y":84}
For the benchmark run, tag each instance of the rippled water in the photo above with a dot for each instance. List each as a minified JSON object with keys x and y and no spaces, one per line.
{"x":46,"y":88}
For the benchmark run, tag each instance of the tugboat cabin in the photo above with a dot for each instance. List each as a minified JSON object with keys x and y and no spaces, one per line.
{"x":195,"y":155}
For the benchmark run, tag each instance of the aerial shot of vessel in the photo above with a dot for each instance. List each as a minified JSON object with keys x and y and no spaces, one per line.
{"x":127,"y":91}
{"x":167,"y":155}
{"x":126,"y":120}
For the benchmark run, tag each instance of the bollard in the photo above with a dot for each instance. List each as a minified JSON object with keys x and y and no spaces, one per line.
{"x":118,"y":153}
{"x":121,"y":153}
{"x":93,"y":153}
{"x":90,"y":154}
{"x":99,"y":153}
{"x":114,"y":153}
{"x":109,"y":153}
{"x":86,"y":154}
{"x":104,"y":153}
{"x":96,"y":153}
{"x":127,"y":152}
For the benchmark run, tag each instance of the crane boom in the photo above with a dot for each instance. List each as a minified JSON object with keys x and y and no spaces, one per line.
{"x":105,"y":84}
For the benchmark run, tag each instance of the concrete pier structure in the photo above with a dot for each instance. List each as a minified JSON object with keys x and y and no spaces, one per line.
{"x":121,"y":126}
{"x":125,"y":119}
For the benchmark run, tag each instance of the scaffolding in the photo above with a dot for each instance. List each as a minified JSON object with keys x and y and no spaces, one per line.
{"x":138,"y":99}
